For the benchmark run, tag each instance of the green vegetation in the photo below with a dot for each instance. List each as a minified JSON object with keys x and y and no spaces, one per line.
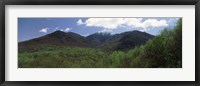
{"x":163,"y":51}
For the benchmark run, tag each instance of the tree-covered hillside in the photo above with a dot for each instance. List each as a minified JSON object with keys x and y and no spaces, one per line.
{"x":161,"y":51}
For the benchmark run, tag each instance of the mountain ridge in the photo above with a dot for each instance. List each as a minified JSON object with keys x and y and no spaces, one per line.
{"x":121,"y":41}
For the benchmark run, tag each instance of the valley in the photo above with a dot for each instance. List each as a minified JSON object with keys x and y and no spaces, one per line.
{"x":131,"y":49}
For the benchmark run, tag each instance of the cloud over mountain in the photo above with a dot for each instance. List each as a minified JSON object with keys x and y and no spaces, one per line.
{"x":109,"y":24}
{"x":44,"y":30}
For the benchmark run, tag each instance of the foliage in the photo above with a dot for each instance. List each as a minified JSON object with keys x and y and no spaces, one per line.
{"x":163,"y":51}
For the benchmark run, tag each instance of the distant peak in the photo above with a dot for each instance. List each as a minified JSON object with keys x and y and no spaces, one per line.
{"x":58,"y":31}
{"x":62,"y":32}
{"x":134,"y":31}
{"x":137,"y":31}
{"x":140,"y":31}
{"x":103,"y":33}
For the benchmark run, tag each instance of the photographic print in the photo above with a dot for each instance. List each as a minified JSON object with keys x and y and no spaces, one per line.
{"x":100,"y":42}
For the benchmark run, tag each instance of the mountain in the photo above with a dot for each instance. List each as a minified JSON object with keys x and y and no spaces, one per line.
{"x":123,"y":41}
{"x":126,"y":40}
{"x":98,"y":38}
{"x":55,"y":39}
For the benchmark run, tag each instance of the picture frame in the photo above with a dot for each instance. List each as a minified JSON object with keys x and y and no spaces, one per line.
{"x":98,"y":2}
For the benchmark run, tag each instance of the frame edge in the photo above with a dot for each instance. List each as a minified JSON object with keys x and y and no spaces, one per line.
{"x":2,"y":45}
{"x":2,"y":41}
{"x":197,"y":46}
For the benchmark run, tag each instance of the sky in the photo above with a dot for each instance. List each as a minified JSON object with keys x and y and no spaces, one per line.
{"x":29,"y":28}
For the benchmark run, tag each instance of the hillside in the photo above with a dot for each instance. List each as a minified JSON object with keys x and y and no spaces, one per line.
{"x":55,"y":39}
{"x":97,"y":39}
{"x":127,"y":40}
{"x":106,"y":41}
{"x":133,"y":49}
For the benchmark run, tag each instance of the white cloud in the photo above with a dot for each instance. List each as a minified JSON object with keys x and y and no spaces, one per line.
{"x":106,"y":30}
{"x":85,"y":35}
{"x":172,"y":21}
{"x":134,"y":22}
{"x":61,"y":29}
{"x":142,"y":30}
{"x":67,"y":29}
{"x":56,"y":29}
{"x":43,"y":30}
{"x":80,"y":22}
{"x":110,"y":24}
{"x":154,"y":23}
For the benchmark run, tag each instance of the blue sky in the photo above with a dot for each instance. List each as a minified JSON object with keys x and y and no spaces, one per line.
{"x":29,"y":28}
